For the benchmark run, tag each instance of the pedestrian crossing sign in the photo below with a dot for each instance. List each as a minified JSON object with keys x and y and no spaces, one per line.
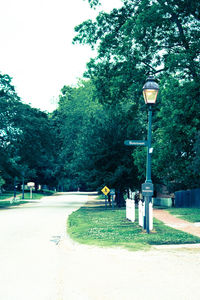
{"x":105,"y":190}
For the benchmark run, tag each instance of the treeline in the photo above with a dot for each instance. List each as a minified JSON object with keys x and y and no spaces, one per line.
{"x":90,"y":141}
{"x":26,"y":140}
{"x":142,"y":37}
{"x":84,"y":143}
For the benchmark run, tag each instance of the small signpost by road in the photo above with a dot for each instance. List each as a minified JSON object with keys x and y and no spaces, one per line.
{"x":105,"y":190}
{"x":31,"y":185}
{"x":147,"y":189}
{"x":112,"y":193}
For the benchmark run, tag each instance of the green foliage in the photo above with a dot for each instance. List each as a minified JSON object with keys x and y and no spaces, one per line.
{"x":177,"y":124}
{"x":147,"y":35}
{"x":81,"y":145}
{"x":9,"y":132}
{"x":160,"y":37}
{"x":26,"y":139}
{"x":2,"y":182}
{"x":91,"y":141}
{"x":37,"y":136}
{"x":94,"y":3}
{"x":72,"y":125}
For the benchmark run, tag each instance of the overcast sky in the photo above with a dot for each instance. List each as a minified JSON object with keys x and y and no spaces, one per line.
{"x":36,"y":46}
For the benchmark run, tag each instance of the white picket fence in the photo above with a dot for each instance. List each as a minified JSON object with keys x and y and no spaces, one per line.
{"x":141,"y":211}
{"x":130,"y":210}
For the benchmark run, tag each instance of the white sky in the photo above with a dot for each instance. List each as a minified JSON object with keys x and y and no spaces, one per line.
{"x":36,"y":46}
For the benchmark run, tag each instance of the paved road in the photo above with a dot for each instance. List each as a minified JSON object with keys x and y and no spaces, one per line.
{"x":30,"y":262}
{"x":38,"y":261}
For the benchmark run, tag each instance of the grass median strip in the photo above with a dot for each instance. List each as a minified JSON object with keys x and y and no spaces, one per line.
{"x":96,"y":225}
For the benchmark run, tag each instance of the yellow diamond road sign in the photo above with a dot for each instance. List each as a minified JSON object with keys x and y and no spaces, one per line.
{"x":105,"y":190}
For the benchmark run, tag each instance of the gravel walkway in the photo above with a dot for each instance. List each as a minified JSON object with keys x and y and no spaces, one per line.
{"x":172,"y":221}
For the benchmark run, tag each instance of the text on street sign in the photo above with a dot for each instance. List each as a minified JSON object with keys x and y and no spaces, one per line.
{"x":135,"y":143}
{"x":147,"y":189}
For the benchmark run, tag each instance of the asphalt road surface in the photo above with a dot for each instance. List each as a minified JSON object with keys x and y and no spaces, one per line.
{"x":38,"y":261}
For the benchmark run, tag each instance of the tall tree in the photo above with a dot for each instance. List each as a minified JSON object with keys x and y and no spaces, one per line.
{"x":151,"y":34}
{"x":37,"y":136}
{"x":76,"y":106}
{"x":9,"y":105}
{"x":26,"y":138}
{"x":91,"y":140}
{"x":160,"y":37}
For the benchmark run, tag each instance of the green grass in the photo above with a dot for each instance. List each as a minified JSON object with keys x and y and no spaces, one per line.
{"x":38,"y":195}
{"x":188,"y":214}
{"x":5,"y":197}
{"x":101,"y":227}
{"x":7,"y":203}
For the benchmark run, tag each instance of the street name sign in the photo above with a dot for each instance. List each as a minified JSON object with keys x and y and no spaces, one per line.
{"x":105,"y":190}
{"x":112,"y":192}
{"x":147,"y":189}
{"x":135,"y":143}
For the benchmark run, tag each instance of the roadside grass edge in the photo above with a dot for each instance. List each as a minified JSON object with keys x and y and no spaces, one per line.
{"x":96,"y":225}
{"x":7,"y":201}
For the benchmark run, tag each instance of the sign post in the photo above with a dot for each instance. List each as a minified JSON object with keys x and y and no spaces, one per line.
{"x":147,"y":192}
{"x":112,"y":193}
{"x":147,"y":187}
{"x":31,"y":186}
{"x":105,"y":190}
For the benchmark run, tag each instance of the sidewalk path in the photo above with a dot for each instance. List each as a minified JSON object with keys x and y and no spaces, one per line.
{"x":176,"y":223}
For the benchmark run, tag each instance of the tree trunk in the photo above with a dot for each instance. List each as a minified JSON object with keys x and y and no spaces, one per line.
{"x":120,"y":198}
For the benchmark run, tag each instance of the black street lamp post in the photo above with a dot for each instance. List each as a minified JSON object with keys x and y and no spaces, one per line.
{"x":150,"y":92}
